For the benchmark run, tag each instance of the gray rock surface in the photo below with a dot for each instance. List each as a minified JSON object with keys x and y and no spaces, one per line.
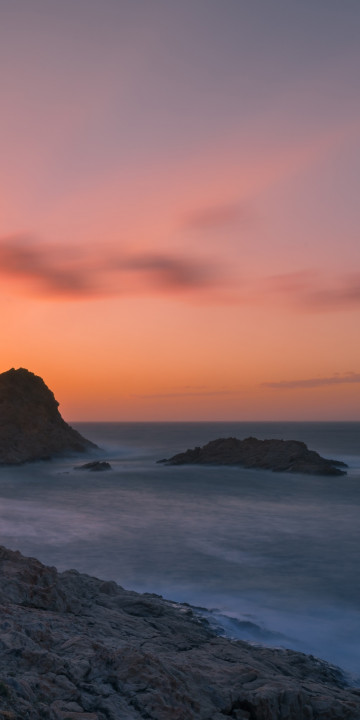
{"x":277,"y":455}
{"x":31,"y":427}
{"x":76,"y":648}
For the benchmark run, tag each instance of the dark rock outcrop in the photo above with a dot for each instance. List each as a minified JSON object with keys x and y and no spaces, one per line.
{"x":277,"y":455}
{"x":31,"y":427}
{"x":76,"y":648}
{"x":94,"y":466}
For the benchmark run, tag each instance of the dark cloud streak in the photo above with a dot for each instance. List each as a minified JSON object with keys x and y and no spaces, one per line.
{"x":169,"y":271}
{"x":349,"y":378}
{"x":24,"y":258}
{"x":84,"y":272}
{"x":54,"y":270}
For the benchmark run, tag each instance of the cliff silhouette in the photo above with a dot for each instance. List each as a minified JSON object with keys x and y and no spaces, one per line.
{"x":31,"y":427}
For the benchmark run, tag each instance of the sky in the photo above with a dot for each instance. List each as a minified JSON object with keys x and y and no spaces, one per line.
{"x":179,"y":206}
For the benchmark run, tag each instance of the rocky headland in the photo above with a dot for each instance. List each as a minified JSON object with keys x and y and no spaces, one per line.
{"x":277,"y":455}
{"x":73,"y":647}
{"x":31,"y":427}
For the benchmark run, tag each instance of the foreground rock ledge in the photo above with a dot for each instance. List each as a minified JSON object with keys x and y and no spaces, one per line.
{"x":31,"y":427}
{"x":277,"y":455}
{"x":76,"y":648}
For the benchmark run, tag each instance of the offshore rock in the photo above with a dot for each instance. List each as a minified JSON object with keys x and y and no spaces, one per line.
{"x":31,"y":427}
{"x":277,"y":455}
{"x":73,"y":647}
{"x":94,"y":466}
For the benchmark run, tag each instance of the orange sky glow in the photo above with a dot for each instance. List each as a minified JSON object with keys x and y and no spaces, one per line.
{"x":179,"y":213}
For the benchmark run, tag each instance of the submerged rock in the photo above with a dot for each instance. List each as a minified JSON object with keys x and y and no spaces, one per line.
{"x":73,"y":646}
{"x":31,"y":427}
{"x":277,"y":455}
{"x":94,"y":466}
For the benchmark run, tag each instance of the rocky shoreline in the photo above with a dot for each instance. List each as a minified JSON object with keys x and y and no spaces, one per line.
{"x":276,"y":455}
{"x":73,"y":647}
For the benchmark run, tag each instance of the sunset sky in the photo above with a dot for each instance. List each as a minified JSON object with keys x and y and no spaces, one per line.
{"x":180,"y":206}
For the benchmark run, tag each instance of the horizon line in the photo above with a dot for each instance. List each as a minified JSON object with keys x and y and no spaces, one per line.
{"x":209,"y":422}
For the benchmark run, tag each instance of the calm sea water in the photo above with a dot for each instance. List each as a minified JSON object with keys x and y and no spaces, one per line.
{"x":274,"y":557}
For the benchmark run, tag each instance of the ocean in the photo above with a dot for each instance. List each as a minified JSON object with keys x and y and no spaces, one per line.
{"x":271,"y":558}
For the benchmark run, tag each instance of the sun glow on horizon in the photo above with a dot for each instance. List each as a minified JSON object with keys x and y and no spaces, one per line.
{"x":179,"y":234}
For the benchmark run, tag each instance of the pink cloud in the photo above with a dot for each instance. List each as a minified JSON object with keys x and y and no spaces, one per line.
{"x":81,"y":272}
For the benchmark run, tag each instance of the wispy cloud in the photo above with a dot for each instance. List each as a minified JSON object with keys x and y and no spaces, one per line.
{"x":80,"y":272}
{"x":313,"y":291}
{"x":344,"y":294}
{"x":51,"y":270}
{"x":58,"y":271}
{"x":167,"y":271}
{"x":345,"y":379}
